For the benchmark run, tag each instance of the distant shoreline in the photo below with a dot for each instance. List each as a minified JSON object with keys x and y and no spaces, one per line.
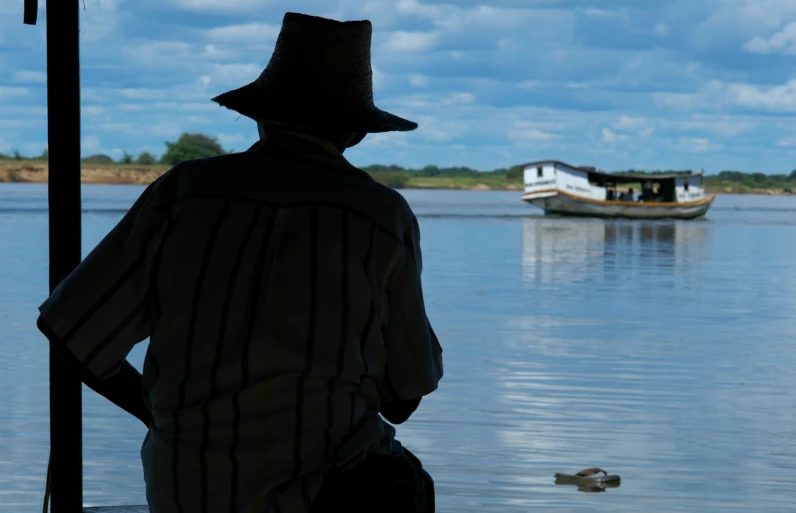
{"x":38,"y":172}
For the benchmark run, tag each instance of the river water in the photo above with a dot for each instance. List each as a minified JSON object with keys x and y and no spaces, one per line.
{"x":660,"y":351}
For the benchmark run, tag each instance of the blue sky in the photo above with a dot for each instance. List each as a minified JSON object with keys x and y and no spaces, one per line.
{"x":684,"y":84}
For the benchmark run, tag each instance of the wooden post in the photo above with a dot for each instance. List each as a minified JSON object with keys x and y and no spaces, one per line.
{"x":63,"y":133}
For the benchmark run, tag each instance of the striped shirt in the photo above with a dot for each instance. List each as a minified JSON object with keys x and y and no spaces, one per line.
{"x":280,"y":290}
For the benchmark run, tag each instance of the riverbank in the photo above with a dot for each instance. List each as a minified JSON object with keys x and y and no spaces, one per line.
{"x":38,"y":172}
{"x":32,"y":171}
{"x":132,"y":174}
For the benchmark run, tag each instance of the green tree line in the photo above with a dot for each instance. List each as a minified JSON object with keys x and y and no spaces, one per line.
{"x":188,"y":146}
{"x":196,"y":145}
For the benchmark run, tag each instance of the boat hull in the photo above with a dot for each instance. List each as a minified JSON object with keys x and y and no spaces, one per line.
{"x":568,"y":205}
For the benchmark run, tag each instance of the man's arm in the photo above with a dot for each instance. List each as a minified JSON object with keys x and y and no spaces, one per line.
{"x":100,"y":311}
{"x":414,"y":355}
{"x":124,"y":389}
{"x":399,"y":412}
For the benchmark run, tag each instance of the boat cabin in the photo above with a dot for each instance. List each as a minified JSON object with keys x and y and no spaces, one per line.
{"x":552,"y":176}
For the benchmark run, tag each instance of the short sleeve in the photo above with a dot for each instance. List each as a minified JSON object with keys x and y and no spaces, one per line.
{"x":414,"y":355}
{"x":100,"y":311}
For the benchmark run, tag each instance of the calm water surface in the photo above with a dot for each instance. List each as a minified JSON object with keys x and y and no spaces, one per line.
{"x":661,"y":351}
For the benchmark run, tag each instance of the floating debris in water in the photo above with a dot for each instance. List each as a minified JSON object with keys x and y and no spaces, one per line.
{"x":588,"y":480}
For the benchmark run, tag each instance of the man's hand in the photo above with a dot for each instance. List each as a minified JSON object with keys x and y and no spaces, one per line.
{"x":125,"y":391}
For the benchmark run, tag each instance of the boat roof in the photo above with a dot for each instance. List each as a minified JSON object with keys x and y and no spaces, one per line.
{"x":623,"y":177}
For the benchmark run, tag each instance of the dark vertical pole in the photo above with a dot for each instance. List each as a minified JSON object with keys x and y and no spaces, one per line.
{"x":63,"y":104}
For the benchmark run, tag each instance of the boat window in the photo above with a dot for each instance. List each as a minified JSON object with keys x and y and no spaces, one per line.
{"x":685,"y":184}
{"x":596,"y":180}
{"x":539,"y":172}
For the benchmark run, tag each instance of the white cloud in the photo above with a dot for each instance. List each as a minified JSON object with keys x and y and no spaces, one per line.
{"x":163,"y":54}
{"x":505,"y":42}
{"x":434,"y":130}
{"x":459,"y":99}
{"x":661,"y":29}
{"x":611,"y":137}
{"x":233,"y":75}
{"x":91,"y":110}
{"x":787,"y":141}
{"x":199,"y":120}
{"x":115,"y":153}
{"x":384,"y":140}
{"x":245,"y":33}
{"x":580,"y":85}
{"x":99,"y":20}
{"x":401,"y":41}
{"x":638,"y":126}
{"x":220,"y":5}
{"x":744,"y":15}
{"x":8,"y":92}
{"x":530,"y":134}
{"x":238,"y":142}
{"x":90,"y":144}
{"x":710,"y":95}
{"x":485,"y":16}
{"x":167,"y":129}
{"x":777,"y":97}
{"x":419,"y":80}
{"x":529,"y":84}
{"x":783,"y":42}
{"x":105,"y":5}
{"x":212,"y":52}
{"x":174,"y":55}
{"x":379,"y":78}
{"x":538,"y":134}
{"x":594,"y":12}
{"x":427,"y":11}
{"x":28,"y":76}
{"x":128,"y":129}
{"x":629,"y":123}
{"x":725,"y":126}
{"x":697,"y":144}
{"x":476,"y":19}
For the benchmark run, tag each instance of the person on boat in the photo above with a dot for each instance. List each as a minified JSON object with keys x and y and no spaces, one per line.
{"x":646,"y":192}
{"x":280,"y":289}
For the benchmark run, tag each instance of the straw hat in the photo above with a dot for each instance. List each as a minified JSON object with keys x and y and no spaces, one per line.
{"x":319,"y":76}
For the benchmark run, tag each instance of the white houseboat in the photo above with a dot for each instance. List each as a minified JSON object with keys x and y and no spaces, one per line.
{"x":562,"y":189}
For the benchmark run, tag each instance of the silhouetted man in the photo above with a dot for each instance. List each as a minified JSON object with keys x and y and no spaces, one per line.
{"x":280,"y":290}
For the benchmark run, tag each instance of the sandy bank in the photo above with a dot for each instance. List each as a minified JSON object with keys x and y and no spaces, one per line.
{"x":32,"y":172}
{"x":38,"y":172}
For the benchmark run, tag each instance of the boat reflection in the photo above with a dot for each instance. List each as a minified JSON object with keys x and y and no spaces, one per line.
{"x":575,"y":249}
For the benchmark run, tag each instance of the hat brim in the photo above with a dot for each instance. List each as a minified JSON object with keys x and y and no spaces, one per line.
{"x":250,"y":101}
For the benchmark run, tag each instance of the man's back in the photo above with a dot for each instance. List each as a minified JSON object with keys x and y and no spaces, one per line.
{"x":281,"y":293}
{"x":279,"y":283}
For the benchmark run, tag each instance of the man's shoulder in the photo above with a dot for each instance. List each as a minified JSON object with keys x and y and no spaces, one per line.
{"x":209,"y":163}
{"x":389,"y":196}
{"x":391,"y":205}
{"x":291,"y":180}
